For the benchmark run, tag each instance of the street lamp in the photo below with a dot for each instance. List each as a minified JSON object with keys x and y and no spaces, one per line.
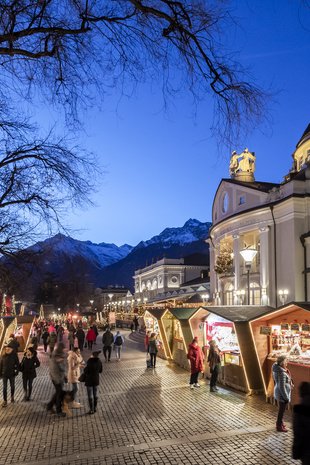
{"x":248,"y":255}
{"x":283,"y":293}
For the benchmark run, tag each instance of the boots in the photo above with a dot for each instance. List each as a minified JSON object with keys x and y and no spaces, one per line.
{"x":91,"y":406}
{"x":95,"y":404}
{"x":281,"y":428}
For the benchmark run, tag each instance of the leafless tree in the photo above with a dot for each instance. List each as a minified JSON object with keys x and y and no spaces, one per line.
{"x":39,"y":180}
{"x":75,"y":50}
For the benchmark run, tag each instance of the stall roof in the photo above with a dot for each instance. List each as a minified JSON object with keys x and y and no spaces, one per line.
{"x":156,"y":312}
{"x":241,"y":313}
{"x":183,"y":313}
{"x":286,"y":309}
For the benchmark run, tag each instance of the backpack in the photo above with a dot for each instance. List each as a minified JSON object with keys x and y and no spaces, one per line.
{"x":118,"y":341}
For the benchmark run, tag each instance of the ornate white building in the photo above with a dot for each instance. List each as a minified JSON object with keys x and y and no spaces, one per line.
{"x":273,"y":221}
{"x":164,"y":278}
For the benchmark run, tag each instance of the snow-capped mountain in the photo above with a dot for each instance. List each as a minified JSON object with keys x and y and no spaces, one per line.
{"x":99,"y":255}
{"x":193,"y":230}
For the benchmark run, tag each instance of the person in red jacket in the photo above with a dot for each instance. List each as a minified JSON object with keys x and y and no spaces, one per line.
{"x":90,"y":338}
{"x":195,"y":356}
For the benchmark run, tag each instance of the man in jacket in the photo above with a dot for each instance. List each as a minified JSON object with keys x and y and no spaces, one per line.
{"x":58,"y":369}
{"x":107,"y":341}
{"x":9,"y":367}
{"x":301,"y":425}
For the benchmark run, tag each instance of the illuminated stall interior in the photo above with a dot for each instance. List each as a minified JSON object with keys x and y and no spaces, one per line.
{"x":23,"y":330}
{"x":229,"y":327}
{"x":8,"y":327}
{"x":179,"y":333}
{"x":285,"y":331}
{"x":198,"y":325}
{"x":153,"y":320}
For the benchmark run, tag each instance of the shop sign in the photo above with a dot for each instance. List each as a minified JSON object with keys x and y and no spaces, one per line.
{"x":265,"y":330}
{"x":285,"y":326}
{"x":305,"y":327}
{"x":295,"y":327}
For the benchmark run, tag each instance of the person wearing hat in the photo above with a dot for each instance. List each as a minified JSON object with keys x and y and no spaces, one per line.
{"x":282,"y":389}
{"x":28,"y":367}
{"x":195,"y":356}
{"x":91,"y":374}
{"x":9,"y":368}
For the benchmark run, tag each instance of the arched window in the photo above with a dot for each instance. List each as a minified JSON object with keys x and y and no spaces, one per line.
{"x":255,"y":294}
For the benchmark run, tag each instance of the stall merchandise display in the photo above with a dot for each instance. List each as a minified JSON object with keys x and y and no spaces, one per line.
{"x":222,"y":331}
{"x":292,"y":341}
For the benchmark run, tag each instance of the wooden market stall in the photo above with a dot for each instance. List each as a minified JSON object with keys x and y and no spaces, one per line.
{"x":23,"y":330}
{"x":230,"y":328}
{"x":153,"y":320}
{"x":285,"y":331}
{"x":7,"y":327}
{"x":179,"y":333}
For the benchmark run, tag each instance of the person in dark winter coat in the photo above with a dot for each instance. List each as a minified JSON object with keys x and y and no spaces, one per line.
{"x":13,"y":342}
{"x":282,"y":390}
{"x":195,"y":356}
{"x":107,"y":341}
{"x":28,"y":367}
{"x":80,"y":335}
{"x":45,"y":336}
{"x":9,"y":368}
{"x":214,"y":360}
{"x":52,"y":339}
{"x":153,"y":349}
{"x":91,"y":371}
{"x":301,"y":425}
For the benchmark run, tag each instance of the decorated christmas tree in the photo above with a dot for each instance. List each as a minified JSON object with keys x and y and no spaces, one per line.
{"x":224,"y":261}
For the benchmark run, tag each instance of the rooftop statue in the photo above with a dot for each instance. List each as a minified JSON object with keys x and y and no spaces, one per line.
{"x":243,"y":163}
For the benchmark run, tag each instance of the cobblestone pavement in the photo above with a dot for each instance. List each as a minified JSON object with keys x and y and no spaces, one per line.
{"x":146,"y":417}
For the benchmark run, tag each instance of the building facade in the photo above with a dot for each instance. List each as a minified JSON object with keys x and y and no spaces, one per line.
{"x":272,"y":222}
{"x":163,"y":279}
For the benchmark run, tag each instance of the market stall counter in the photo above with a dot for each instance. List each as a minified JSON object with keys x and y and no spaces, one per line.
{"x":153,"y":320}
{"x":230,"y":328}
{"x":285,"y":331}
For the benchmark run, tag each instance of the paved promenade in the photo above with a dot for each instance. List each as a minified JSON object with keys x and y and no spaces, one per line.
{"x":144,"y":417}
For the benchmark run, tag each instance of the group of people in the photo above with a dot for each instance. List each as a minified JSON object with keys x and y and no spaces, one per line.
{"x":283,"y":385}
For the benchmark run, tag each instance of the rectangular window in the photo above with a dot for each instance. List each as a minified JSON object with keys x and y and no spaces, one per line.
{"x":241,"y":199}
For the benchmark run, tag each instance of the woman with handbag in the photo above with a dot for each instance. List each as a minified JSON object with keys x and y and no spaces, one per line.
{"x":75,"y":360}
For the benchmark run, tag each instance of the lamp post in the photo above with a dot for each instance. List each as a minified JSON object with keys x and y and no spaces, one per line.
{"x":283,"y":293}
{"x":248,"y":255}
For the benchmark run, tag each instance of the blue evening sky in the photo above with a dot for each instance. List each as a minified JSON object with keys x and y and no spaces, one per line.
{"x":163,"y":167}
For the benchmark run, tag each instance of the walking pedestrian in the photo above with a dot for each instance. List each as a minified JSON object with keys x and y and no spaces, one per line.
{"x":118,"y":343}
{"x":90,"y":337}
{"x":13,"y":342}
{"x":52,"y":339}
{"x":282,"y":389}
{"x":45,"y":336}
{"x":91,"y":371}
{"x":301,"y":425}
{"x":75,"y":360}
{"x":153,"y":349}
{"x":146,"y":340}
{"x":96,"y":332}
{"x":71,"y":339}
{"x":195,"y":356}
{"x":80,"y":335}
{"x":107,"y":341}
{"x":58,"y":368}
{"x":28,"y":367}
{"x":9,"y":368}
{"x":214,"y":360}
{"x":136,"y":323}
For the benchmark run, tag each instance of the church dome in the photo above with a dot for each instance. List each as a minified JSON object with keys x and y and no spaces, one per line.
{"x":302,"y":153}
